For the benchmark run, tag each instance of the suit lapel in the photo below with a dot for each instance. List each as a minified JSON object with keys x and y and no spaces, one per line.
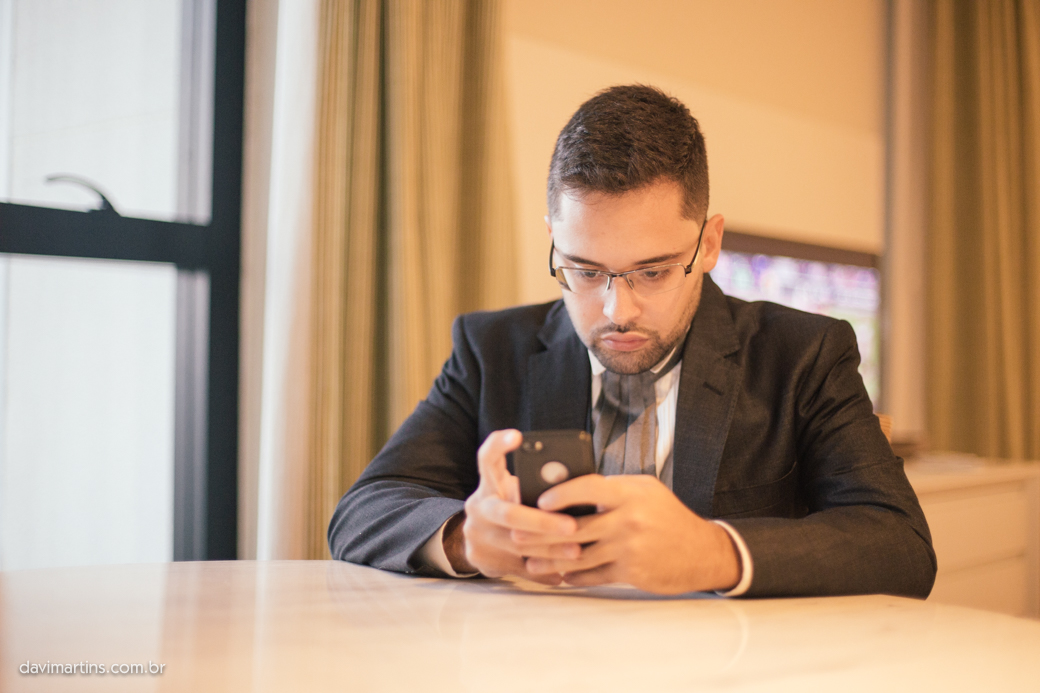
{"x":708,"y":388}
{"x":559,"y":378}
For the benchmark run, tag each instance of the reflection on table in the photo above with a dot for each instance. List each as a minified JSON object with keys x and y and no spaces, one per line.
{"x":249,"y":626}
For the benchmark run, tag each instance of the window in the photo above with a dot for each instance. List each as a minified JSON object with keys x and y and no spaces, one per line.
{"x":839,"y":283}
{"x":120,"y":185}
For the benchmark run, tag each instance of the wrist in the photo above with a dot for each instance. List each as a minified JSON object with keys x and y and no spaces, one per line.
{"x":455,"y":545}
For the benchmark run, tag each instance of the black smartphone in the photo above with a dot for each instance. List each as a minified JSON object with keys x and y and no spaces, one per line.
{"x":547,"y":458}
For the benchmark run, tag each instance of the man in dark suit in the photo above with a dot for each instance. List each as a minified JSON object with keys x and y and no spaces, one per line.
{"x":738,"y":448}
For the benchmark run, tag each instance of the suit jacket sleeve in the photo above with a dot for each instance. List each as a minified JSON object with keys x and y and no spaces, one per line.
{"x":420,"y":478}
{"x":863,"y":531}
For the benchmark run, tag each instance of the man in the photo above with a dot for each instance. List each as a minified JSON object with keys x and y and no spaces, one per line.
{"x":738,"y":448}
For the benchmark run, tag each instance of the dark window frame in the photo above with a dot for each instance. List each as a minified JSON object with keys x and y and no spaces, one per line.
{"x":739,"y":242}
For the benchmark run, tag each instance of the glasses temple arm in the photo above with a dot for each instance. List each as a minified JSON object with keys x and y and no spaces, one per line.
{"x":689,"y":267}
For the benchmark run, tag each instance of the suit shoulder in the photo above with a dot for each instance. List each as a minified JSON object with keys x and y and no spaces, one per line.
{"x":777,"y":325}
{"x":516,"y":325}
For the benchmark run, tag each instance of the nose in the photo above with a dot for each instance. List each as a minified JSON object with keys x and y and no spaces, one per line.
{"x":621,"y":305}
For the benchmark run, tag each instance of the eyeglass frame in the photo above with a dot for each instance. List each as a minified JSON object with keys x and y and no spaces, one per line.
{"x":611,"y":276}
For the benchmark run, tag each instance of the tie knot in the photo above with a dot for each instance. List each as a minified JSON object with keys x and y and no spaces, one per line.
{"x":632,"y":392}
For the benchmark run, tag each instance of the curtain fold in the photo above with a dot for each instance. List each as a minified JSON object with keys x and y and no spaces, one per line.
{"x":984,"y":242}
{"x":413,"y":221}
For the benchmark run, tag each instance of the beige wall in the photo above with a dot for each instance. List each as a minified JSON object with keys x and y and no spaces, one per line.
{"x":789,"y":93}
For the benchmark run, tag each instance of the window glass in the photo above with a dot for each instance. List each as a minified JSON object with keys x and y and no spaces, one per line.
{"x":117,"y":92}
{"x":87,"y":398}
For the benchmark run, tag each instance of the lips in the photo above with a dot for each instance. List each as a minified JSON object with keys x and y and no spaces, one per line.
{"x":624,"y":341}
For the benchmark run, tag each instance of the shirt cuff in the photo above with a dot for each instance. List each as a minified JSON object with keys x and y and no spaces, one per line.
{"x":747,"y":568}
{"x":432,"y":554}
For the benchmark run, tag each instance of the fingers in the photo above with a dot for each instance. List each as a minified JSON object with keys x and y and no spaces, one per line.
{"x":493,"y":562}
{"x":491,"y":460}
{"x":600,"y":575}
{"x":494,"y":511}
{"x":512,"y":489}
{"x":498,"y":566}
{"x":551,"y":552}
{"x":550,"y":579}
{"x":520,"y":517}
{"x":591,"y":557}
{"x":496,"y":556}
{"x":491,"y":549}
{"x":603,"y":575}
{"x":484,"y":537}
{"x":590,"y":528}
{"x":591,"y":489}
{"x":605,"y":492}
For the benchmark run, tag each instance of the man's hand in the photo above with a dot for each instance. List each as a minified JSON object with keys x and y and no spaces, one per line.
{"x":483,"y":540}
{"x":643,"y":536}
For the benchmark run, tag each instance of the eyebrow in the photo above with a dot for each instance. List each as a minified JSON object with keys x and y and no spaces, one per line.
{"x":656,"y":260}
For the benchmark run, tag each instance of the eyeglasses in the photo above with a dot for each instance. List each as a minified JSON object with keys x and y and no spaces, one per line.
{"x":646,"y":281}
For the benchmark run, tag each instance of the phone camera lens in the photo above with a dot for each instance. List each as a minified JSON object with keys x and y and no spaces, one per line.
{"x":538,"y":445}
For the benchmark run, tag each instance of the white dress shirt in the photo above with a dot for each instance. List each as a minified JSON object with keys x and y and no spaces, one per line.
{"x":667,"y":390}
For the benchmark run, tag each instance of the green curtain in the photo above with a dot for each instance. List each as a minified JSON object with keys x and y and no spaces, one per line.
{"x":984,"y":248}
{"x":413,"y":218}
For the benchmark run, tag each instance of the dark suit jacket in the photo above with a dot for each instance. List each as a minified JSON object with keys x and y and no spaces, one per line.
{"x":774,"y":434}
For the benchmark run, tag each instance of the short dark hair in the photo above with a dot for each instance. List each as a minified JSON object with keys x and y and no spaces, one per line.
{"x":628,"y":137}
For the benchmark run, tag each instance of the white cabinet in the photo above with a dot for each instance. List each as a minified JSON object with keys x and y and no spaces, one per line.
{"x":985,"y":523}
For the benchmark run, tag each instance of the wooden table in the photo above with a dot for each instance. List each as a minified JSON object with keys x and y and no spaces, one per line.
{"x":317,"y":626}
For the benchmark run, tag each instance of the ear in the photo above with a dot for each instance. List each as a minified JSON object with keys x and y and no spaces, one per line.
{"x":548,"y":224}
{"x":711,"y":244}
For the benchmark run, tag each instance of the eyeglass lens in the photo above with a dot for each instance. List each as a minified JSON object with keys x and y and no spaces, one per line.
{"x":653,"y":280}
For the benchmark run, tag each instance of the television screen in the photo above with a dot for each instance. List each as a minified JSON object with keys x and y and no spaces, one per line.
{"x":848,"y":292}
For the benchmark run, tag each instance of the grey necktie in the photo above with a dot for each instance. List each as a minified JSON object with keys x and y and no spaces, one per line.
{"x":625,"y":439}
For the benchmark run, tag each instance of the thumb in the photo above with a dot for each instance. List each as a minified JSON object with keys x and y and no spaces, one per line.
{"x":491,"y":461}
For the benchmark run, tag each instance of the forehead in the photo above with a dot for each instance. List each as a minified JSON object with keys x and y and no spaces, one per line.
{"x":618,"y":231}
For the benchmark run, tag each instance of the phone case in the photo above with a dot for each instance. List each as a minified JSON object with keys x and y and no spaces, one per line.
{"x":547,"y":458}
